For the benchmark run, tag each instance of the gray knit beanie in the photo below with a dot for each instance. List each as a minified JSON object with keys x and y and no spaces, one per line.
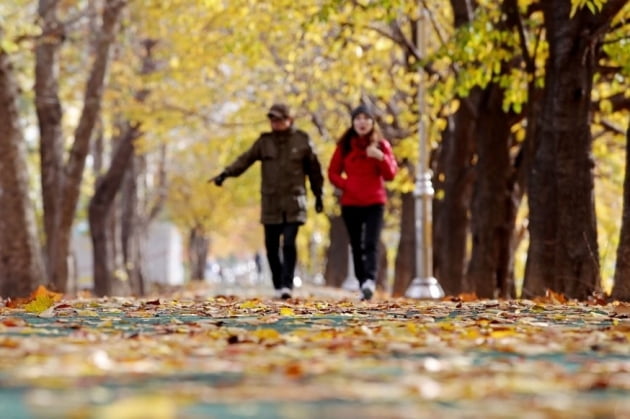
{"x":361,"y":109}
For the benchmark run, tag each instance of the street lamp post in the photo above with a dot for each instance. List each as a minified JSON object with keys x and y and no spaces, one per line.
{"x":424,"y":285}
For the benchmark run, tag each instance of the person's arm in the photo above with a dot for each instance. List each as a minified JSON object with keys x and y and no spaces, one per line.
{"x":335,"y":169}
{"x":313,"y":170}
{"x":387,"y":164}
{"x":241,"y":164}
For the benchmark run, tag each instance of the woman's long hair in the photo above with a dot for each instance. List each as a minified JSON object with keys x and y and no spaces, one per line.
{"x":345,"y":141}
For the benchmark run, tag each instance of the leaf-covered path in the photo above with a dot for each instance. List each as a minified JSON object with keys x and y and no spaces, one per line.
{"x":194,"y":356}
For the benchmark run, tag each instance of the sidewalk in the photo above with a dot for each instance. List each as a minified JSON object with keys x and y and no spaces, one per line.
{"x":210,"y":352}
{"x":263,"y":289}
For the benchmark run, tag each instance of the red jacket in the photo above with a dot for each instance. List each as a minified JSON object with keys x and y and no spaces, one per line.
{"x":364,"y":180}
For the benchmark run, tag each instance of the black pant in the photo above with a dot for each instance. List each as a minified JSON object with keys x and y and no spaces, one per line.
{"x":364,"y":225}
{"x":282,"y":270}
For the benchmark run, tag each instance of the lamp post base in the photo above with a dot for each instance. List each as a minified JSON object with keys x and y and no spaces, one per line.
{"x":425,"y":289}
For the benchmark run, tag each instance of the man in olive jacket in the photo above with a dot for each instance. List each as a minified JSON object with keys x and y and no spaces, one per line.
{"x":287,"y":158}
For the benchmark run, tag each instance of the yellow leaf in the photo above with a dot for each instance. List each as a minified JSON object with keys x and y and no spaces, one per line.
{"x":266,"y":334}
{"x":501,"y":333}
{"x":39,"y":304}
{"x":157,"y":407}
{"x":287,"y":311}
{"x":87,"y":313}
{"x":250,"y":304}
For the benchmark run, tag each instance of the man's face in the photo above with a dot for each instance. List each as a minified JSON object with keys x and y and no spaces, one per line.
{"x":280,"y":124}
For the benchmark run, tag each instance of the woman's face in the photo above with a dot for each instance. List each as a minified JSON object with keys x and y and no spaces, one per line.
{"x":362,"y":124}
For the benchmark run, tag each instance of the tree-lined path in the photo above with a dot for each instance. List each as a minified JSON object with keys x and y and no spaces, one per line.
{"x":199,"y":354}
{"x":115,"y":113}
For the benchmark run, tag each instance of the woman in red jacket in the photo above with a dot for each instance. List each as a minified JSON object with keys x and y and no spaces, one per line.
{"x":359,"y":167}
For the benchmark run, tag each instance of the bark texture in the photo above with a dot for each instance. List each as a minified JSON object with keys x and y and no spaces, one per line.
{"x":100,"y":208}
{"x":563,"y":253}
{"x":63,"y":181}
{"x":337,"y":254}
{"x":490,"y":208}
{"x":21,"y":265}
{"x":621,"y":287}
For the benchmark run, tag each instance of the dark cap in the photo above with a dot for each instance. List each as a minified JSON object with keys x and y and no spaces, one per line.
{"x":279,"y":111}
{"x":362,"y":109}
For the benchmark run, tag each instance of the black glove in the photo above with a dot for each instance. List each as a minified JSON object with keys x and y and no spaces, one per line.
{"x":319,"y":205}
{"x":218,"y":180}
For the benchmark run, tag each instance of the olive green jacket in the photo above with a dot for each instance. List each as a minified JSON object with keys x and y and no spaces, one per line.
{"x":287,"y":158}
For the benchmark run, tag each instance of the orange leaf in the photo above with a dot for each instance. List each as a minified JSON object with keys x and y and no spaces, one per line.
{"x":555,"y":297}
{"x":42,"y":291}
{"x":622,"y":308}
{"x":551,"y":297}
{"x":467,"y":297}
{"x":13,"y":322}
{"x":294,"y":370}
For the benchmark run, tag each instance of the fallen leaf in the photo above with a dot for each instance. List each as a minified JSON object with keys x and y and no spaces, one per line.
{"x":41,"y":303}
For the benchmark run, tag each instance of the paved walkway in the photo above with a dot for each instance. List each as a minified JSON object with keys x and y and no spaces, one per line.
{"x":218,"y":352}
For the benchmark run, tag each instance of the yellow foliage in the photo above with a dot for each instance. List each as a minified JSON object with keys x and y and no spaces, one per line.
{"x":40,"y":304}
{"x":287,"y":311}
{"x":141,"y":406}
{"x":266,"y":334}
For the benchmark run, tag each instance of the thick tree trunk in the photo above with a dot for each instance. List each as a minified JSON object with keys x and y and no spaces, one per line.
{"x":621,"y":287}
{"x":198,"y":246}
{"x":21,"y":265}
{"x":133,"y":222}
{"x":49,"y":117}
{"x":453,"y":182}
{"x":563,"y":253}
{"x":337,"y":254}
{"x":451,"y":215}
{"x":132,"y":228}
{"x":100,"y":209}
{"x":406,"y":255}
{"x":67,"y":180}
{"x":490,"y":209}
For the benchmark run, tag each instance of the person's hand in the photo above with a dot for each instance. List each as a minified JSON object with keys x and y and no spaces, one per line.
{"x":374,"y":152}
{"x":218,"y":180}
{"x":319,"y":204}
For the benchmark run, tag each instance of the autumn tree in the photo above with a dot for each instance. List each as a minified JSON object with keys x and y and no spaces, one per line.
{"x":21,"y":266}
{"x":61,"y":173}
{"x":563,"y":254}
{"x":621,"y":288}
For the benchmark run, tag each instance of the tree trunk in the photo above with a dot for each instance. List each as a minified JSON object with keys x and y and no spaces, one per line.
{"x":452,"y":182}
{"x":21,"y":265}
{"x":66,"y":181}
{"x":132,"y":228}
{"x":133,"y":222}
{"x":490,"y":215}
{"x":100,"y":209}
{"x":198,"y":246}
{"x":381,"y":275}
{"x":451,"y":215}
{"x":621,"y":287}
{"x":406,"y":255}
{"x":49,"y":117}
{"x":563,"y":253}
{"x":337,"y":255}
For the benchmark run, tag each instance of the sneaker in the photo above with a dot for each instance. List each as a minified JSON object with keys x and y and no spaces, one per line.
{"x":277,"y":294}
{"x":367,"y":289}
{"x":285,"y":293}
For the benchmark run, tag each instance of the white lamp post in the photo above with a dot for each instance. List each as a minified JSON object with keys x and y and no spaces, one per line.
{"x":424,"y":285}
